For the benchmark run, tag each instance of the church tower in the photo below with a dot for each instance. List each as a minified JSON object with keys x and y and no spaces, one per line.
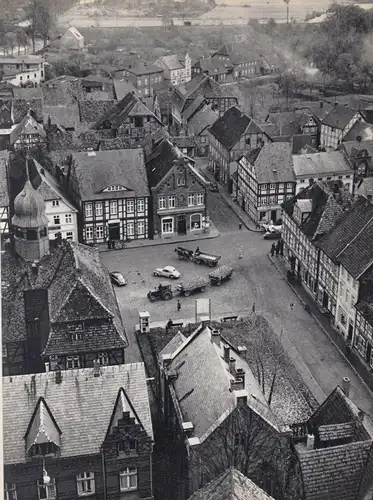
{"x":30,"y":224}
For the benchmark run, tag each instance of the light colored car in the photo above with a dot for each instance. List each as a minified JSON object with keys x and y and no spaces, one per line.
{"x":118,"y":279}
{"x":167,"y":272}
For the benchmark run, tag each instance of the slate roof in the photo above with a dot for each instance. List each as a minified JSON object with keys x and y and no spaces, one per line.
{"x":122,"y":87}
{"x":349,"y":226}
{"x":357,"y":256}
{"x":67,"y":116}
{"x":365,"y":188}
{"x":285,"y":123}
{"x":212,"y":66}
{"x":173,"y":344}
{"x":230,"y":127}
{"x":160,"y":161}
{"x":91,"y":110}
{"x":140,"y":68}
{"x":359,"y":129}
{"x":321,"y":164}
{"x":339,"y":116}
{"x":353,"y":148}
{"x":366,"y":310}
{"x":318,"y":111}
{"x":300,"y":141}
{"x":46,"y":184}
{"x":184,"y":141}
{"x":200,"y":85}
{"x":96,"y":171}
{"x":171,"y":62}
{"x":74,"y":278}
{"x":91,"y":403}
{"x":231,"y":485}
{"x":333,"y":473}
{"x":202,"y":385}
{"x":334,"y":432}
{"x":239,"y":52}
{"x":193,"y":107}
{"x":273,"y":163}
{"x":4,"y":190}
{"x":203,"y":119}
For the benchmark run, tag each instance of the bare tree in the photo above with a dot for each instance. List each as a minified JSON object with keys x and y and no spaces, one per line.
{"x":39,"y":15}
{"x":22,"y":40}
{"x":10,"y":41}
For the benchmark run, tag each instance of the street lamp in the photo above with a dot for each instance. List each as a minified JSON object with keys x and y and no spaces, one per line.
{"x":287,"y":10}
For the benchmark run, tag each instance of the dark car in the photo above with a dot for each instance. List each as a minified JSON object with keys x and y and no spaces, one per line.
{"x":117,"y":278}
{"x":214,"y":188}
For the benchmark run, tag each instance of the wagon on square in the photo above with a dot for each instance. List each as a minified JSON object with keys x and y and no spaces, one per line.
{"x":198,"y":283}
{"x":221,"y":274}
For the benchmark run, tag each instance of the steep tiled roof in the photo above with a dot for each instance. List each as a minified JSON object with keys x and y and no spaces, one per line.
{"x":284,"y":123}
{"x":42,"y":427}
{"x":189,"y":111}
{"x":48,"y":187}
{"x":352,"y":148}
{"x":321,"y":164}
{"x":333,"y":432}
{"x":230,"y":127}
{"x":91,"y":402}
{"x":6,"y":114}
{"x":183,"y":141}
{"x":202,"y":85}
{"x":164,"y":98}
{"x":349,"y":225}
{"x":318,"y":109}
{"x":212,"y":66}
{"x":202,"y":385}
{"x":91,"y":110}
{"x":300,"y":141}
{"x":231,"y":485}
{"x":98,"y":170}
{"x":140,"y":68}
{"x":357,"y":256}
{"x":160,"y":161}
{"x":339,"y":116}
{"x":359,"y":129}
{"x":27,"y":126}
{"x":365,"y":188}
{"x":170,"y":62}
{"x":331,"y":214}
{"x":21,"y":106}
{"x":67,"y":116}
{"x":203,"y":119}
{"x":239,"y":52}
{"x":4,"y":190}
{"x":273,"y":163}
{"x":122,"y":87}
{"x":174,"y":344}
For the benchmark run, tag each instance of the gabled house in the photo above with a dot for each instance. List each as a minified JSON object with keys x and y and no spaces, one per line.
{"x":230,"y":137}
{"x":72,"y":39}
{"x":58,"y":304}
{"x":359,"y":154}
{"x":4,"y":196}
{"x":97,"y":87}
{"x":178,"y":192}
{"x":265,"y":179}
{"x":198,"y":126}
{"x":130,"y":119}
{"x":360,"y":131}
{"x":28,"y":134}
{"x":282,"y":126}
{"x":242,"y":59}
{"x":364,"y":319}
{"x":66,"y":116}
{"x":47,"y":453}
{"x":330,"y":166}
{"x":145,"y":77}
{"x":176,"y":69}
{"x":203,"y":412}
{"x":23,"y":70}
{"x":213,"y":67}
{"x":110,"y":188}
{"x":6,"y":124}
{"x":336,"y":124}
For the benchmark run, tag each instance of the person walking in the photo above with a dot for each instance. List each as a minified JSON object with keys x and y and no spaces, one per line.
{"x":281,"y":247}
{"x":109,"y":244}
{"x":278,"y":248}
{"x":178,"y":305}
{"x":273,"y":249}
{"x":240,"y":226}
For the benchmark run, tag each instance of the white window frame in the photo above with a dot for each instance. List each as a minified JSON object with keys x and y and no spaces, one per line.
{"x":140,"y":227}
{"x":69,"y":235}
{"x":113,"y":207}
{"x":99,"y":209}
{"x":55,"y":203}
{"x":191,"y":200}
{"x":162,"y":203}
{"x":56,"y":220}
{"x":82,"y":480}
{"x":74,"y":361}
{"x":192,"y":223}
{"x":180,"y":181}
{"x":10,"y":491}
{"x":172,"y":225}
{"x":200,"y":198}
{"x":103,"y":358}
{"x":50,"y":489}
{"x":130,"y":206}
{"x":171,"y":201}
{"x":88,"y":210}
{"x":90,"y":230}
{"x":68,"y":218}
{"x":141,"y":206}
{"x":132,"y":226}
{"x":100,"y":231}
{"x":125,"y":479}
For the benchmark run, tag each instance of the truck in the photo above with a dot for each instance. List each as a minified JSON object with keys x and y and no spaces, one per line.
{"x":198,"y":283}
{"x":197,"y":256}
{"x":162,"y":292}
{"x":221,"y":274}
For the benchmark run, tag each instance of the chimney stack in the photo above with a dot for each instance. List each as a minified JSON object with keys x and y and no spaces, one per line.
{"x":237,"y":384}
{"x":166,"y":358}
{"x":232,"y":366}
{"x":188,"y":428}
{"x":58,"y":375}
{"x":96,"y":368}
{"x":215,"y":336}
{"x":240,"y":374}
{"x":346,"y":386}
{"x":226,"y":354}
{"x":241,"y":398}
{"x":310,"y":441}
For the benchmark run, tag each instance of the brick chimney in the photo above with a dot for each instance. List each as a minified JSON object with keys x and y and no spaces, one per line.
{"x":58,"y":375}
{"x":241,"y":397}
{"x":240,"y":374}
{"x":237,"y":384}
{"x":232,"y":366}
{"x":310,"y":442}
{"x":215,"y":336}
{"x":226,"y":354}
{"x":346,"y":386}
{"x":96,"y":368}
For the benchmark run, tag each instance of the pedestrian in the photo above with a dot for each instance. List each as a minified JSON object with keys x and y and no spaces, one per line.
{"x":178,"y":305}
{"x":240,"y":254}
{"x":282,"y":247}
{"x":168,"y":325}
{"x":197,"y":250}
{"x":240,"y":226}
{"x":347,"y":348}
{"x":277,"y":248}
{"x":253,"y":308}
{"x":273,"y":249}
{"x":291,"y":306}
{"x":109,"y":244}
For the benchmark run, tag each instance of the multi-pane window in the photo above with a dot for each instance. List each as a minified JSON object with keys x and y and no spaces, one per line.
{"x":68,"y":218}
{"x":200,"y":198}
{"x":128,"y":479}
{"x":127,"y":445}
{"x":89,"y":233}
{"x":72,"y":362}
{"x":10,"y":491}
{"x":130,"y":228}
{"x":130,"y":206}
{"x":55,"y":203}
{"x":5,"y":351}
{"x":46,"y":491}
{"x":98,"y":209}
{"x":113,"y":208}
{"x":99,"y":232}
{"x":56,"y":219}
{"x":167,"y":225}
{"x":180,"y":181}
{"x":103,"y":358}
{"x":43,"y":449}
{"x":141,"y":227}
{"x":171,"y":201}
{"x":76,"y":336}
{"x":85,"y":483}
{"x":140,"y":205}
{"x":88,"y":210}
{"x":161,"y":202}
{"x":190,"y":200}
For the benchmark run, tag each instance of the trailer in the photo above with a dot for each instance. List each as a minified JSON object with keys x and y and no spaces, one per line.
{"x":221,"y":274}
{"x":198,"y":283}
{"x":197,"y":256}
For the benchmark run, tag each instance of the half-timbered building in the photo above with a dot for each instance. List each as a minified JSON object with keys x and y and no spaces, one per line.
{"x":336,"y":124}
{"x":28,"y":134}
{"x":4,"y":195}
{"x":111,"y":190}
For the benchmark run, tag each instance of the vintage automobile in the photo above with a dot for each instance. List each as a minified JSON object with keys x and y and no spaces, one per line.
{"x":117,"y":278}
{"x":167,"y":272}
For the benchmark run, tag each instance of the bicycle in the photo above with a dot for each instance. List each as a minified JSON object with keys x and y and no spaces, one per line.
{"x":119,"y":245}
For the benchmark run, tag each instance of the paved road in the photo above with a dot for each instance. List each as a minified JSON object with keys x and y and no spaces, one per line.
{"x":255,"y":280}
{"x":225,"y":220}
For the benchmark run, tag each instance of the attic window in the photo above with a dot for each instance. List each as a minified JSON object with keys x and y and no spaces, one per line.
{"x":43,"y":449}
{"x":114,"y":188}
{"x":75,"y":336}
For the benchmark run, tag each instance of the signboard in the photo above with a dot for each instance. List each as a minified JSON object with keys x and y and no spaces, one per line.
{"x":203,"y":310}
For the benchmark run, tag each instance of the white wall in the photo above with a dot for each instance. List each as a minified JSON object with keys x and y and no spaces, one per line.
{"x":348,"y":290}
{"x":61,"y":210}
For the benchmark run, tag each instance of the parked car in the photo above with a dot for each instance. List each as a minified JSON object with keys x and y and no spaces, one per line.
{"x":167,"y":272}
{"x":117,"y":278}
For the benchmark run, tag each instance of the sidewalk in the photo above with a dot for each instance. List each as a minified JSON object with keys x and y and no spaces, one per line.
{"x":172,"y":240}
{"x":358,"y":366}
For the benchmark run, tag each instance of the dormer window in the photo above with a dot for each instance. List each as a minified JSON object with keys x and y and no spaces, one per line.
{"x":43,"y":449}
{"x":115,"y":187}
{"x":76,"y":336}
{"x":43,"y":434}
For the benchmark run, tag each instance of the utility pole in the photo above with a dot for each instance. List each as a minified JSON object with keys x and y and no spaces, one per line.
{"x":287,"y":10}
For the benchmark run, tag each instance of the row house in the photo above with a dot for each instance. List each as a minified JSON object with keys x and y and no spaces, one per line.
{"x":230,"y":137}
{"x":4,"y":195}
{"x":110,"y":188}
{"x":330,"y":166}
{"x":198,"y":125}
{"x":359,"y":153}
{"x":201,"y":86}
{"x":58,"y":304}
{"x":101,"y":447}
{"x":311,"y":214}
{"x":364,"y":319}
{"x":211,"y":427}
{"x":336,"y":124}
{"x":282,"y":126}
{"x":178,"y":193}
{"x":177,"y":69}
{"x":241,"y":59}
{"x":145,"y":77}
{"x":129,"y":120}
{"x":213,"y":67}
{"x":23,"y":70}
{"x":265,"y":179}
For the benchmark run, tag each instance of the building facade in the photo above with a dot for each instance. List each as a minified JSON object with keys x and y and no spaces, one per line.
{"x":72,"y":39}
{"x":4,"y":196}
{"x":24,"y":70}
{"x":143,"y":76}
{"x":176,"y":70}
{"x":336,"y":124}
